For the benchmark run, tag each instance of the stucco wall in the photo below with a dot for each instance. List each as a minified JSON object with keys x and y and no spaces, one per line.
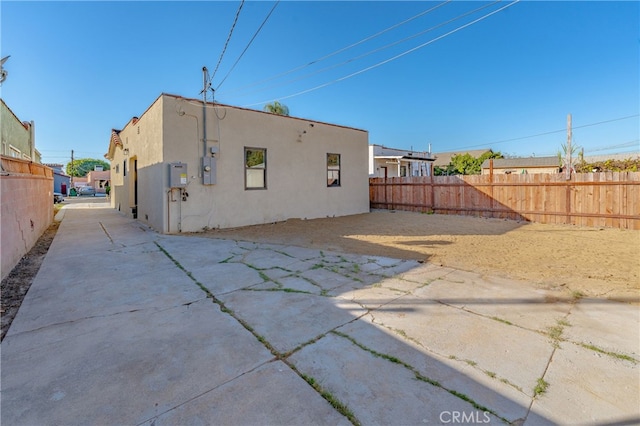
{"x":58,"y":180}
{"x":171,"y":130}
{"x":296,"y":167}
{"x":14,"y":134}
{"x":26,"y":197}
{"x":141,"y":145}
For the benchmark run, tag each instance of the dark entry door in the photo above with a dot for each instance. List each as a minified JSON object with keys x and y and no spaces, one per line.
{"x":135,"y":182}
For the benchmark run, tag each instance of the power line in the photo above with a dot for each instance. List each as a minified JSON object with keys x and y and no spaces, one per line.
{"x":379,"y":49}
{"x":315,"y":61}
{"x":633,"y":143}
{"x":607,"y":121}
{"x":387,"y":60}
{"x":249,"y":44}
{"x":547,"y":133}
{"x":224,"y":49}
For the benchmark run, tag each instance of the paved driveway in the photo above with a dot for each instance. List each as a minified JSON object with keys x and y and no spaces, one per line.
{"x":125,"y":326}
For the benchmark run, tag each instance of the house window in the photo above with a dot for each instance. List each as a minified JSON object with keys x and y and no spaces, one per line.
{"x":117,"y":168}
{"x":15,"y":153}
{"x":124,"y":167}
{"x":333,"y":169}
{"x":403,"y":171}
{"x":255,"y":168}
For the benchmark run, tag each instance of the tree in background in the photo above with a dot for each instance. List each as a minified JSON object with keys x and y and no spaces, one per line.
{"x":563,"y":155}
{"x":465,"y":164}
{"x":82,"y":166}
{"x":627,"y":165}
{"x":277,"y":108}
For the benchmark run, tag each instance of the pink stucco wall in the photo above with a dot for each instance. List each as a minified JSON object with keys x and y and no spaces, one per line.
{"x":26,"y":197}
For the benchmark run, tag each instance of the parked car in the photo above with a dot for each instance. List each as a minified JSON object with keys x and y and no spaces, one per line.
{"x":57,"y":197}
{"x":87,"y":190}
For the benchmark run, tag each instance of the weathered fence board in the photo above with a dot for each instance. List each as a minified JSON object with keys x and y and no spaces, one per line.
{"x":610,"y":199}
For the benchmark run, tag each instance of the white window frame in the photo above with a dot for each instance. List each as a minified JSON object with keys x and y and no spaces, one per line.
{"x":332,"y":169}
{"x":250,"y":170}
{"x":14,"y":152}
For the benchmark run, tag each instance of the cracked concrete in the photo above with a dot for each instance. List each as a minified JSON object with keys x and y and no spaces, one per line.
{"x":116,"y":329}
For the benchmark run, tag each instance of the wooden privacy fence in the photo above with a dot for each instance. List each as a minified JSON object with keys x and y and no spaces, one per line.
{"x":610,"y":199}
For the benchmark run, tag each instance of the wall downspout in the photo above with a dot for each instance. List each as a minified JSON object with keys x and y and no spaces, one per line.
{"x":32,"y":140}
{"x":205,"y":86}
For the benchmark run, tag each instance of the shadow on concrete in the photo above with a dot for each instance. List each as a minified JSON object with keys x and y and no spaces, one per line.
{"x":329,"y":337}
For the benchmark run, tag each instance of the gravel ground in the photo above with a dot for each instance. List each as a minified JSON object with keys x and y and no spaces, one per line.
{"x":15,"y":286}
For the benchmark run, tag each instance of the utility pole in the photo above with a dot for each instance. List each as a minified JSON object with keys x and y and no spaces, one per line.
{"x":568,"y":153}
{"x":70,"y":172}
{"x":205,"y":86}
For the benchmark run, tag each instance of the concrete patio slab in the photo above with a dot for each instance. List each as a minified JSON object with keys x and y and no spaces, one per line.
{"x":327,"y":279}
{"x":501,"y":350}
{"x":366,"y":383}
{"x":287,"y":320}
{"x":611,"y":326}
{"x":264,"y":258}
{"x":608,"y":393}
{"x":426,"y":273}
{"x":226,"y":277}
{"x":298,"y":284}
{"x":117,"y":330}
{"x":272,"y":394}
{"x":372,"y":297}
{"x":210,"y":251}
{"x":125,"y":368}
{"x":509,"y":300}
{"x":451,"y":374}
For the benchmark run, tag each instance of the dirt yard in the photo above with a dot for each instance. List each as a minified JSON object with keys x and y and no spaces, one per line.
{"x":15,"y":285}
{"x":594,"y":262}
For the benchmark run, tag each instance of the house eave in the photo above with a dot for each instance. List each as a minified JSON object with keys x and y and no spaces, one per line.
{"x":114,"y":142}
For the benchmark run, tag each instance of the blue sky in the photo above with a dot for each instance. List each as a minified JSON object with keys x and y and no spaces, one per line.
{"x":79,"y":69}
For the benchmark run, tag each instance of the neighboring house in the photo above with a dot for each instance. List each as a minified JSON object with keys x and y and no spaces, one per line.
{"x":522,"y":165}
{"x":78,"y":182}
{"x":391,"y":162}
{"x":99,"y":179}
{"x":18,"y":137}
{"x":442,"y":159}
{"x":61,"y":181}
{"x":180,"y":171}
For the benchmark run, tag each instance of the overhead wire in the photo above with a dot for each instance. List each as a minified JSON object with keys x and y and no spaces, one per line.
{"x":633,"y":143}
{"x":379,"y":49}
{"x":547,"y":133}
{"x":302,"y":92}
{"x":343,"y":49}
{"x":249,"y":44}
{"x":224,"y":49}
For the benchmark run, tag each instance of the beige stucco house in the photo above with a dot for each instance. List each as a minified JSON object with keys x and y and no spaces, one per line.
{"x":99,"y":179}
{"x":522,"y":165}
{"x":184,"y":166}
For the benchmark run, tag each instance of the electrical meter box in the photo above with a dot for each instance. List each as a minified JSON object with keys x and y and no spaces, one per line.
{"x":178,"y":176}
{"x":209,"y":170}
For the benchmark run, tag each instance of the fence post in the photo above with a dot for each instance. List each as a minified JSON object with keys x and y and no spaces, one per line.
{"x":432,"y":203}
{"x":568,"y":200}
{"x":493,"y":201}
